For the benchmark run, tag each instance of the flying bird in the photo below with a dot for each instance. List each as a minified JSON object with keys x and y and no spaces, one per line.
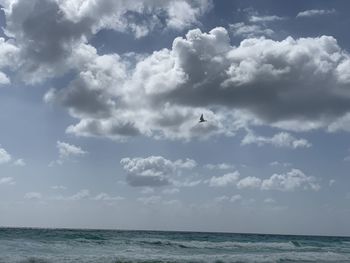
{"x":201,"y":119}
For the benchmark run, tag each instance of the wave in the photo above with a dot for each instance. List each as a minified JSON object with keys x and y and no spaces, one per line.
{"x":288,"y":245}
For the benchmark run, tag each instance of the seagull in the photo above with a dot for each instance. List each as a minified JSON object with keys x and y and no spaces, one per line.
{"x":201,"y":119}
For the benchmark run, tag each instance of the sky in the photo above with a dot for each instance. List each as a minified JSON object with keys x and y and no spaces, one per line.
{"x":100,"y":104}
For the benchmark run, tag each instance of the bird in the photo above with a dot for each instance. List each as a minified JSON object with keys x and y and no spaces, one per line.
{"x":201,"y":119}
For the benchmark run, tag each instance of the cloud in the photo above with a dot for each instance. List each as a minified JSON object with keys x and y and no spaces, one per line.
{"x":276,"y":163}
{"x":224,"y":180}
{"x":107,"y":197}
{"x":263,"y":19}
{"x":5,"y":157}
{"x":154,"y":199}
{"x":153,"y":171}
{"x":59,"y":187}
{"x":19,"y":162}
{"x":80,"y":195}
{"x":33,"y":196}
{"x":282,"y":139}
{"x":220,"y":166}
{"x":7,"y":181}
{"x":316,"y":12}
{"x":235,"y":198}
{"x":47,"y":32}
{"x":290,"y":181}
{"x":249,"y":182}
{"x":292,"y":84}
{"x":245,"y":30}
{"x":269,"y":200}
{"x":232,"y":199}
{"x":66,"y":152}
{"x":331,"y":182}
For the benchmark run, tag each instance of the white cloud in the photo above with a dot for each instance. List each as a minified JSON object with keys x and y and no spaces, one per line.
{"x":153,"y":171}
{"x":249,"y":182}
{"x":220,"y":166}
{"x":5,"y":157}
{"x":290,"y":181}
{"x":224,"y":180}
{"x":166,"y":92}
{"x":7,"y":181}
{"x":276,"y":163}
{"x":44,"y":49}
{"x":244,"y":30}
{"x":107,"y":197}
{"x":4,"y":80}
{"x":267,"y":18}
{"x":33,"y":196}
{"x":282,"y":139}
{"x":67,"y":152}
{"x":293,"y":180}
{"x":19,"y":162}
{"x":331,"y":182}
{"x":316,"y":12}
{"x":82,"y":194}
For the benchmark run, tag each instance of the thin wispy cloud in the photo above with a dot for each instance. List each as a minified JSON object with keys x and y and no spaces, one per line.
{"x":316,"y":12}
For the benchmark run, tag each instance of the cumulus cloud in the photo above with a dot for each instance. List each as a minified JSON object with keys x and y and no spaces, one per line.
{"x":5,"y":157}
{"x":48,"y":32}
{"x":292,"y":84}
{"x":249,"y":182}
{"x":153,"y":171}
{"x":316,"y":12}
{"x":282,"y":139}
{"x":290,"y":181}
{"x":224,"y":180}
{"x":7,"y":181}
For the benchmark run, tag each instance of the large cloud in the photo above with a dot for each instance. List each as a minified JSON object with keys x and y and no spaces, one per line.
{"x":48,"y":32}
{"x":294,"y":84}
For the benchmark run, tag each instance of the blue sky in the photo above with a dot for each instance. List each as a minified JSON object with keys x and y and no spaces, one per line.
{"x":100,"y":104}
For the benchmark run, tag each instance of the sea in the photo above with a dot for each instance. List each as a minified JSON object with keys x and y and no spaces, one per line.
{"x":29,"y":245}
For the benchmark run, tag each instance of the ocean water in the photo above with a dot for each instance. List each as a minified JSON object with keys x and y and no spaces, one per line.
{"x":113,"y":246}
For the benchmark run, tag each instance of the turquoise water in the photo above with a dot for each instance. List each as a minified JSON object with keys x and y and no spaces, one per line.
{"x":64,"y":245}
